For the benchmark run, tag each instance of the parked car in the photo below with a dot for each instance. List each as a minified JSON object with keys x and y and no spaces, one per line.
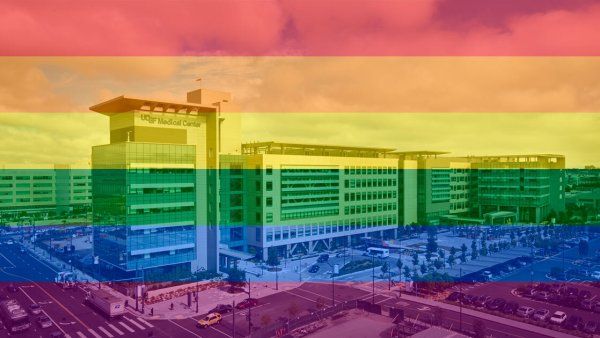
{"x":558,"y":317}
{"x":496,"y":304}
{"x":585,"y":294}
{"x":596,"y":307}
{"x":525,"y":311}
{"x":221,"y":308}
{"x":44,"y":322}
{"x":313,"y":269}
{"x":56,"y":334}
{"x":323,"y":258}
{"x":454,"y":296}
{"x":573,"y":323}
{"x":587,"y":304}
{"x":247,"y":303}
{"x":35,"y":309}
{"x":591,"y":327}
{"x":11,"y":288}
{"x":541,"y":314}
{"x":542,"y":296}
{"x":595,"y":275}
{"x":510,"y":308}
{"x":469,"y":299}
{"x":210,"y":319}
{"x":482,"y":301}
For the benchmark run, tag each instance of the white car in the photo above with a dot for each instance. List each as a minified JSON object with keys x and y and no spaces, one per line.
{"x":10,"y":242}
{"x":595,"y":275}
{"x":558,"y":317}
{"x":525,"y":311}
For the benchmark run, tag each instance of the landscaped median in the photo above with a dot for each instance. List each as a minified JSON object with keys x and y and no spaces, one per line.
{"x":358,"y":265}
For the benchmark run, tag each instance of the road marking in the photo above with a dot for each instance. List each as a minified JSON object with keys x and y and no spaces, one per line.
{"x":126,"y":327}
{"x":192,"y":332}
{"x":221,"y":332}
{"x":9,"y":261}
{"x":139,"y":326}
{"x":105,"y":331}
{"x":115,"y":329}
{"x":145,"y":322}
{"x":45,"y":313}
{"x":81,"y":335}
{"x":94,"y":333}
{"x":51,"y":268}
{"x":293,"y":294}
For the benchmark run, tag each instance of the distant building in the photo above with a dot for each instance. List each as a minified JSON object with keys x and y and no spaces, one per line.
{"x":43,"y":191}
{"x":298,"y":198}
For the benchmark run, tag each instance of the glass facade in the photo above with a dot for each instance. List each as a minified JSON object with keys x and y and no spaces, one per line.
{"x":144,"y":205}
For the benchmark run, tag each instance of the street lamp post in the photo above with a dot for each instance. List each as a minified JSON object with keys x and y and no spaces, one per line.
{"x":249,"y":309}
{"x":300,"y":268}
{"x":460,"y":298}
{"x":277,"y":277}
{"x":197,"y":297}
{"x":373,"y":275}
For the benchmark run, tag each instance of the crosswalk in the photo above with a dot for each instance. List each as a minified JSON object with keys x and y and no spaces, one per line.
{"x":114,"y":329}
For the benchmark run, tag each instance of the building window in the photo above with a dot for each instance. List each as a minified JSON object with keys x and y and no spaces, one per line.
{"x":269,"y":201}
{"x":269,"y":186}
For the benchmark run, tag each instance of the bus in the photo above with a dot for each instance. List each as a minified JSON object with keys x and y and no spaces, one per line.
{"x":14,"y":317}
{"x":378,"y":252}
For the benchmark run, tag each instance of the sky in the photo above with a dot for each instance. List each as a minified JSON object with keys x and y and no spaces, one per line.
{"x":467,"y":76}
{"x":468,"y":106}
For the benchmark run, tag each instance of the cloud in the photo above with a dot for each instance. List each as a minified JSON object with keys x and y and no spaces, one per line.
{"x":309,"y":27}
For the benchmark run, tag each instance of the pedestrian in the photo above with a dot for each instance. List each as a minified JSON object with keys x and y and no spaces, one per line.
{"x":172,"y":306}
{"x":152,"y":311}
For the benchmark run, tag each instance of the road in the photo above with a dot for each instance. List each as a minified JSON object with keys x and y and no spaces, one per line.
{"x":76,"y":320}
{"x":66,"y":308}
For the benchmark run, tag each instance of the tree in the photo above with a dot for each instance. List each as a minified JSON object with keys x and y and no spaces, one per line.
{"x":463,"y":253}
{"x":415,"y":259}
{"x":406,"y":272}
{"x":273,"y":259}
{"x":432,"y":245}
{"x":385,"y":267}
{"x":399,"y":265}
{"x":479,"y":329}
{"x":293,"y":310}
{"x":484,"y":247}
{"x":423,"y":268}
{"x":474,"y":252}
{"x":584,"y":247}
{"x":438,"y":263}
{"x":442,"y":253}
{"x":451,"y":260}
{"x":236,"y":276}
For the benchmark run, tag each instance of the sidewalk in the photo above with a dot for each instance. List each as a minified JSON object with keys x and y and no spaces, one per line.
{"x":54,"y":263}
{"x":208,"y":300}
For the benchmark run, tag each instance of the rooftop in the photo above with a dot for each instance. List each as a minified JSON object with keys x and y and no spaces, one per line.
{"x":312,"y":149}
{"x":123,"y":104}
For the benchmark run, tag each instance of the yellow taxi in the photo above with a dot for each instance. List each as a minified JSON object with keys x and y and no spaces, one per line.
{"x":210,"y":319}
